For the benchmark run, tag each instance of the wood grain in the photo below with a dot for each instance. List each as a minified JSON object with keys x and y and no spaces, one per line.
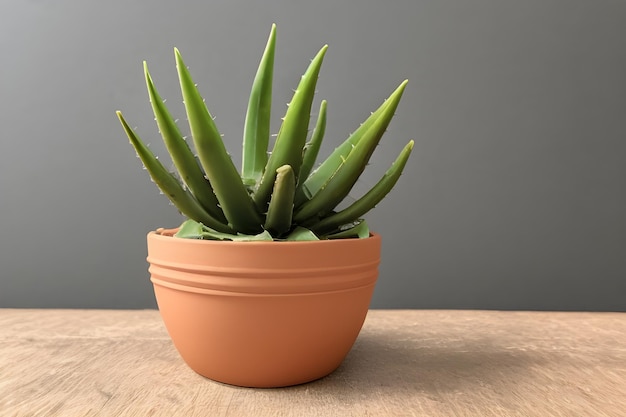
{"x":405,"y":363}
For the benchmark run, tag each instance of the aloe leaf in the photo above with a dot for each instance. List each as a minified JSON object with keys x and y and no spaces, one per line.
{"x":280,"y":211}
{"x":345,"y":176}
{"x":312,"y":149}
{"x":302,"y":234}
{"x":369,"y":199}
{"x":360,"y":230}
{"x":183,"y":158}
{"x":322,"y":174}
{"x":193,"y":230}
{"x":190,"y":229}
{"x":293,"y":132}
{"x":169,"y":184}
{"x":257,"y":125}
{"x":219,"y":168}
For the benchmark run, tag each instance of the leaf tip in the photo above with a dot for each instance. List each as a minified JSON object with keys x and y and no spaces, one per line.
{"x":179,"y":58}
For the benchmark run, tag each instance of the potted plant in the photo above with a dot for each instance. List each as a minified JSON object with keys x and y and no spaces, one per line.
{"x":266,"y":283}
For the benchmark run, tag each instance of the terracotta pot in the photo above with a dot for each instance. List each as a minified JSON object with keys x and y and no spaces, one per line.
{"x":263,"y":314}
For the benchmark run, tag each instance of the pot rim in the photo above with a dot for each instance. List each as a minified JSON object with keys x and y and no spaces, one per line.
{"x":156,"y":234}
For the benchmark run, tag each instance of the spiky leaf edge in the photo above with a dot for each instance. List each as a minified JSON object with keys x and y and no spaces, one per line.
{"x":169,"y":184}
{"x":184,"y":160}
{"x":291,"y":139}
{"x":370,"y":199}
{"x":233,"y":196}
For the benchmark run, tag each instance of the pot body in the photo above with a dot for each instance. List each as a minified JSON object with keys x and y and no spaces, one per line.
{"x":263,"y":314}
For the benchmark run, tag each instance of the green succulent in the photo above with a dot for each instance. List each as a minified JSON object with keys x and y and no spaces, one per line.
{"x":276,"y":196}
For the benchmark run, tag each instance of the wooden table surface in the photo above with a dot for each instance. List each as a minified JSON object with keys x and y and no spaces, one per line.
{"x":405,"y":363}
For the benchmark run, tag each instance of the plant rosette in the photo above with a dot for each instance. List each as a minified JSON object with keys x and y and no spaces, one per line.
{"x":267,"y":283}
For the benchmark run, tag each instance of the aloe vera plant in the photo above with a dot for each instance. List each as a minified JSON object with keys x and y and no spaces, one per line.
{"x":279,"y":195}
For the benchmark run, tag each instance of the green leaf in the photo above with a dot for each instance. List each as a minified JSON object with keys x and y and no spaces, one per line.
{"x":280,"y":211}
{"x":193,"y":230}
{"x":316,"y":181}
{"x":183,"y":158}
{"x":257,"y":125}
{"x":169,"y":184}
{"x":312,"y":149}
{"x":219,"y":168}
{"x":360,"y":230}
{"x":302,"y":234}
{"x":370,"y":199}
{"x":348,"y":172}
{"x":293,"y":132}
{"x":190,"y":229}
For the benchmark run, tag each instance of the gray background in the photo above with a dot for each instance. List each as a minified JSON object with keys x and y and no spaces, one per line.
{"x":515,"y":197}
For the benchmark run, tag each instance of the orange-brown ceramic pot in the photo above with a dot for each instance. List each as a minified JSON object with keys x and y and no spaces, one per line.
{"x":263,"y":314}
